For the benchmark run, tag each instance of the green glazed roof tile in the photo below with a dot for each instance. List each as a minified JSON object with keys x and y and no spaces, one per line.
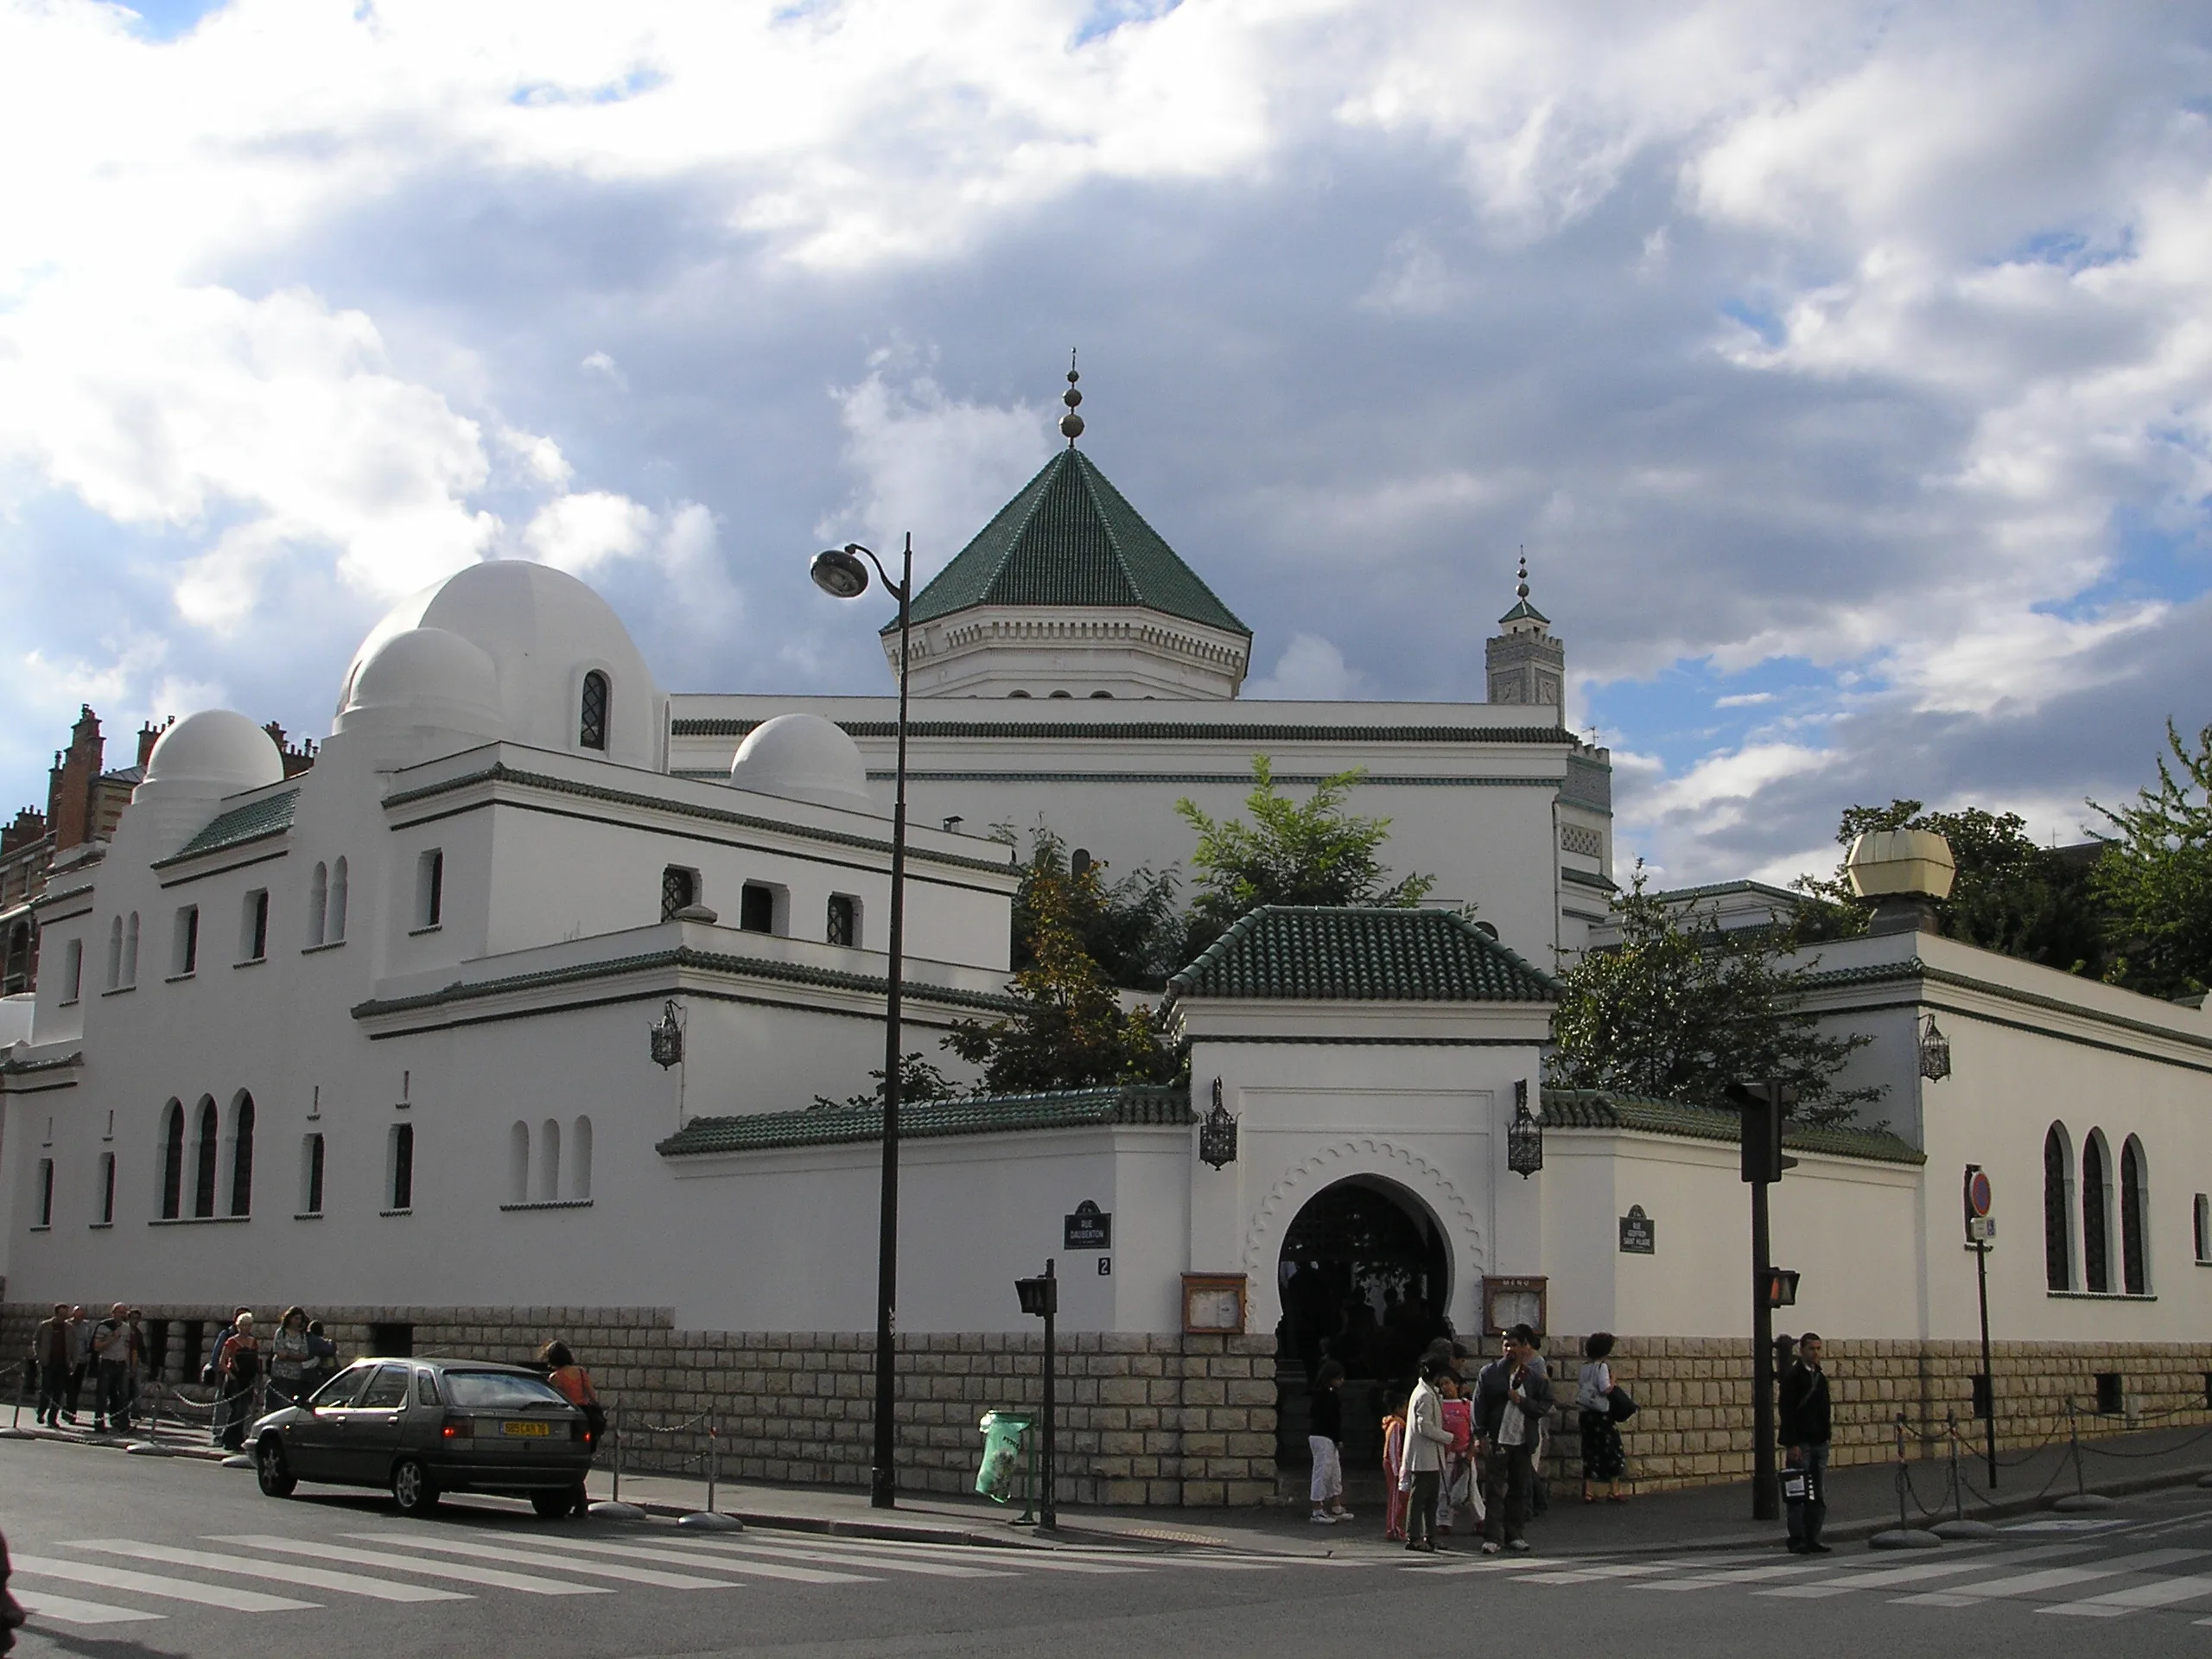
{"x":270,"y":815}
{"x":1596,"y":1109}
{"x":1361,"y":955}
{"x":1141,"y":1104}
{"x":1070,"y":537}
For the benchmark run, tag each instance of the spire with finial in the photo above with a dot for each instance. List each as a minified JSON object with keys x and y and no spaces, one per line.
{"x":1521,"y":581}
{"x":1072,"y":422}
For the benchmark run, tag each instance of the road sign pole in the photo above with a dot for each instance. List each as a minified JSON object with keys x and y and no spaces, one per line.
{"x":1766,"y":1500}
{"x":1977,"y":1196}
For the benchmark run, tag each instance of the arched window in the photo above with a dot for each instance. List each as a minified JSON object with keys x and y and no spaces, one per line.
{"x":2135,"y":1219}
{"x":106,"y":1194}
{"x":2096,"y":1214}
{"x":549,"y":1161}
{"x":242,"y":1154}
{"x":580,"y":1159}
{"x":592,"y":718}
{"x":115,"y":954}
{"x":2057,"y":1209}
{"x":19,"y":957}
{"x":679,"y":890}
{"x":399,"y":1169}
{"x":334,"y":928}
{"x":2204,"y":1208}
{"x":173,"y":1160}
{"x":131,"y":950}
{"x":205,"y":1155}
{"x":519,"y":1163}
{"x":311,"y":1174}
{"x":318,"y":901}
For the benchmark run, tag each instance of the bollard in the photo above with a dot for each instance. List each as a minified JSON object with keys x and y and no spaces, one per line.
{"x":1904,"y":1534}
{"x":710,"y":1519}
{"x":1958,"y":1526}
{"x":2080,"y":1498}
{"x":14,"y":1431}
{"x":614,"y":1508}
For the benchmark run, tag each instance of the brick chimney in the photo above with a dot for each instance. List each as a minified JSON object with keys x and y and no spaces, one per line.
{"x":297,"y":757}
{"x":69,"y":806}
{"x":149,"y":734}
{"x":29,"y":826}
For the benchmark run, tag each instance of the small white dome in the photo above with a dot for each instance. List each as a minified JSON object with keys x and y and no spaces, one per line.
{"x":216,"y":747}
{"x":803,"y":758}
{"x":427,"y":677}
{"x":1884,"y":861}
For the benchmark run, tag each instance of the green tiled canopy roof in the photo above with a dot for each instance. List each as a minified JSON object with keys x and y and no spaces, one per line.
{"x":270,"y":815}
{"x":1143,"y":1104}
{"x":1597,"y":1108}
{"x":1070,"y":537}
{"x":1362,"y":955}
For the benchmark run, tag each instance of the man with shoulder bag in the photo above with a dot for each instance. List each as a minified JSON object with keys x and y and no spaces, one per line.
{"x":1805,"y":1430}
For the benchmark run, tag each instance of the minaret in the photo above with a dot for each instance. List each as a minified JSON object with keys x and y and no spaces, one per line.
{"x":1526,"y":664}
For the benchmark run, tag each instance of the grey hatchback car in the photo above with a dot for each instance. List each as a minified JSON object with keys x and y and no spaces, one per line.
{"x":423,"y":1427}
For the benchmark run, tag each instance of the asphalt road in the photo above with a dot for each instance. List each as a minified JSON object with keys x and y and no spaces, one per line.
{"x":126,"y":1557}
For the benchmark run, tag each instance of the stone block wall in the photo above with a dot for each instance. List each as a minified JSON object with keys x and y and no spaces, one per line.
{"x":1153,"y":1419}
{"x":1695,"y":1394}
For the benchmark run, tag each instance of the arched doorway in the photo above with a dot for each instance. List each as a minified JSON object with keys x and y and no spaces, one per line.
{"x":1365,"y":1276}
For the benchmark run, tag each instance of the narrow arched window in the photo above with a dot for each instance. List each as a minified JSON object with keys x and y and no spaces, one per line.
{"x":597,"y":706}
{"x":131,"y":950}
{"x":2057,"y":1209}
{"x":519,"y":1163}
{"x":242,"y":1155}
{"x":115,"y":954}
{"x":334,"y":929}
{"x":2203,"y":1209}
{"x":2096,"y":1212}
{"x":204,"y":1155}
{"x":549,"y":1161}
{"x":318,"y":901}
{"x":579,"y":1161}
{"x":311,"y":1175}
{"x":399,"y":1171}
{"x":173,"y":1160}
{"x":2134,"y":1221}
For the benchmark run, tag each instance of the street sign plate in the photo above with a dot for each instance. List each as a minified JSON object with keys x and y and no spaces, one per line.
{"x":1090,"y":1228}
{"x":1639,"y":1232}
{"x":1980,"y":1230}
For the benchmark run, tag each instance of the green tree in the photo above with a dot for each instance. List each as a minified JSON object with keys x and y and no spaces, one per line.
{"x":2010,"y":895}
{"x":1292,"y":852}
{"x":2156,"y":878}
{"x":1129,"y":927}
{"x":918,"y":1080}
{"x":1681,"y":1008}
{"x":1070,"y":1031}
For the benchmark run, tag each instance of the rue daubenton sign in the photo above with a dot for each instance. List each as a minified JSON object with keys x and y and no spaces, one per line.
{"x":1639,"y":1233}
{"x":1090,"y":1228}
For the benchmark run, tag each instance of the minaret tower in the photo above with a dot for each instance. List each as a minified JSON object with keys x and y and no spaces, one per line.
{"x":1526,"y":664}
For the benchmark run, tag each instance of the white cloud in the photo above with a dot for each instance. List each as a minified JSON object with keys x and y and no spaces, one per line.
{"x":1716,"y":793}
{"x":1310,"y":670}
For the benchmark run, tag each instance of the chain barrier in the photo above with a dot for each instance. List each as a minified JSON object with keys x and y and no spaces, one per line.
{"x":707,"y":1462}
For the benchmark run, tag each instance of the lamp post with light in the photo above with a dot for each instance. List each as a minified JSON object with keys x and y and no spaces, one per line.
{"x":840,"y":572}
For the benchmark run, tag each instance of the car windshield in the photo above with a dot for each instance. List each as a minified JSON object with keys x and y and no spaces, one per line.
{"x":499,"y":1390}
{"x":341,"y":1388}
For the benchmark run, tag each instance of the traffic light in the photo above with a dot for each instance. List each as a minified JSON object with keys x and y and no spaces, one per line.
{"x":1781,"y":1287}
{"x":1763,"y":1105}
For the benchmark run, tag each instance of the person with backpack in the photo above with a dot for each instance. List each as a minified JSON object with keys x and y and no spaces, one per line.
{"x":1603,"y":1457}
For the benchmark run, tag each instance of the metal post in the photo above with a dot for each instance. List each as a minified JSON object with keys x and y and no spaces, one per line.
{"x":1904,"y":1522}
{"x":1765,"y":1498}
{"x":1958,"y":1486}
{"x":883,"y":1485}
{"x":2074,"y":1448}
{"x":714,"y":1459}
{"x":1988,"y":1375}
{"x":616,"y":1424}
{"x":1048,"y":1514}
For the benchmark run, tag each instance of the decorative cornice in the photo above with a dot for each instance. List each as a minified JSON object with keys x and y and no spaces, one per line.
{"x":500,"y":772}
{"x":1913,"y":968}
{"x":1135,"y":1105}
{"x":1158,"y":731}
{"x":17,"y":1068}
{"x":1597,"y":1109}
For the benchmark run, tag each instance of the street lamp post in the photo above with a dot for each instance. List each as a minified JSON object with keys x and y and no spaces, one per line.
{"x":839,"y":573}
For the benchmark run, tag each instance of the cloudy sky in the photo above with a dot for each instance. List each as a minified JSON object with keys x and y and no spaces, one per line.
{"x":1846,"y":369}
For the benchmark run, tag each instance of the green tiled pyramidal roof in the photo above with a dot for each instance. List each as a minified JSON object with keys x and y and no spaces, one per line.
{"x":270,"y":815}
{"x":1361,"y":955}
{"x":1597,"y":1108}
{"x":1070,"y":537}
{"x":1141,"y":1104}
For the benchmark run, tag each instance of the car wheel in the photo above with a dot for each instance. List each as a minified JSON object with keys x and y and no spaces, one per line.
{"x":554,"y":1505}
{"x":412,"y":1488}
{"x":273,"y":1470}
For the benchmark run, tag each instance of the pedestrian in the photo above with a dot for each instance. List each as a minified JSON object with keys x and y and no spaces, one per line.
{"x":1603,"y":1458}
{"x":1521,"y":1417}
{"x":80,"y":1358}
{"x":237,"y":1368}
{"x":573,"y":1384}
{"x":322,"y":1359}
{"x":1394,"y":1469}
{"x":1426,"y":1443}
{"x":289,"y":1352}
{"x":1458,"y":1489}
{"x":50,"y":1346}
{"x":1324,"y":1437}
{"x":112,"y":1353}
{"x":1805,"y":1430}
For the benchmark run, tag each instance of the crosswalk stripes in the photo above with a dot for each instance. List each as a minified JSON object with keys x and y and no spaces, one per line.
{"x":618,"y":1571}
{"x":67,"y":1610}
{"x":2056,"y":1578}
{"x":692,"y":1557}
{"x":491,"y":1577}
{"x":2159,"y":1593}
{"x":914,"y":1567}
{"x":308,"y":1577}
{"x":118,"y":1578}
{"x":1887,"y":1578}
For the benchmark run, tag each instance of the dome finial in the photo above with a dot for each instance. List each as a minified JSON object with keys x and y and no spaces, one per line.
{"x":1072,"y":422}
{"x":1521,"y":581}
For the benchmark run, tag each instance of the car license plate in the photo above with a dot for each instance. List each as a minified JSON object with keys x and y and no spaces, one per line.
{"x":527,"y":1431}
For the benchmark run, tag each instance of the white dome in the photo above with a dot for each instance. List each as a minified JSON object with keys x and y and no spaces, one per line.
{"x":803,"y":758}
{"x":427,"y":677}
{"x":216,"y":747}
{"x":545,"y":631}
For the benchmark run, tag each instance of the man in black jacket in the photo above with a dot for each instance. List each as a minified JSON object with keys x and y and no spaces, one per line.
{"x":1510,"y":1445}
{"x":1805,"y":1432}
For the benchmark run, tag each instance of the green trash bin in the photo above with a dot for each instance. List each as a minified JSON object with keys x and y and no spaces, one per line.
{"x":999,"y":1474}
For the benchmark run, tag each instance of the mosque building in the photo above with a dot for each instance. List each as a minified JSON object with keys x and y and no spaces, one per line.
{"x":506,"y":1017}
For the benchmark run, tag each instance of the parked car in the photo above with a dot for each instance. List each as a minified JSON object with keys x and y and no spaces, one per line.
{"x":423,"y":1427}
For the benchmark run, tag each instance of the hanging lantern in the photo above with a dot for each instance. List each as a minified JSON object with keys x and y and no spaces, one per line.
{"x":667,"y":1037}
{"x":1524,"y":1137}
{"x":1934,"y":1052}
{"x":1217,"y":1133}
